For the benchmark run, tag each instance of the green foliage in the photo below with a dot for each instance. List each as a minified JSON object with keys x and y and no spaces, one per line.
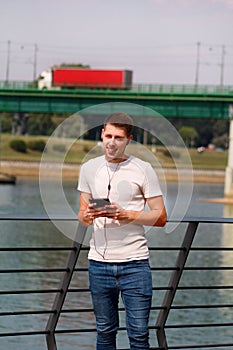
{"x":18,"y":145}
{"x":40,"y":124}
{"x":86,"y":149}
{"x":70,"y":127}
{"x":220,"y":133}
{"x":36,"y":145}
{"x":188,"y":134}
{"x":6,"y":121}
{"x":59,"y":147}
{"x":187,"y":131}
{"x":221,"y":141}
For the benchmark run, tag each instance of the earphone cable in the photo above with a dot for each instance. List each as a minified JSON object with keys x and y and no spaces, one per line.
{"x":105,"y":219}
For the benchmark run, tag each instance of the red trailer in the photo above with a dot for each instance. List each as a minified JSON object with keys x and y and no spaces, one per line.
{"x":91,"y":78}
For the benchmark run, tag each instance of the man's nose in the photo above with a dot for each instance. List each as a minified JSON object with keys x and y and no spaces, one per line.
{"x":112,"y":141}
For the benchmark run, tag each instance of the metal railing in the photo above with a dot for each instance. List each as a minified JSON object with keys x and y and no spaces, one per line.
{"x":140,"y":88}
{"x":183,"y":89}
{"x":53,"y":312}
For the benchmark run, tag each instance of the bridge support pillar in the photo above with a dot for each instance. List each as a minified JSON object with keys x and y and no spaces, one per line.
{"x":228,"y":190}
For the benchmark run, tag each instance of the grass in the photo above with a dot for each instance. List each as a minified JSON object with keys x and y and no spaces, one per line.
{"x":209,"y":159}
{"x":73,"y":151}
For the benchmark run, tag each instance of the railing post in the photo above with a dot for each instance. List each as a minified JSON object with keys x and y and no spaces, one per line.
{"x":64,"y":285}
{"x":173,"y":284}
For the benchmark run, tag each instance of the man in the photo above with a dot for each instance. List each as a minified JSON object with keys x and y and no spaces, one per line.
{"x":118,"y":256}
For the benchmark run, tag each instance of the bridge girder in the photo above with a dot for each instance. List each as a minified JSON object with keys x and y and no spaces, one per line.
{"x":69,"y":102}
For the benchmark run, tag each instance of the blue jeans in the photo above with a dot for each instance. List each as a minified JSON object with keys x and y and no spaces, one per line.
{"x":133,"y":280}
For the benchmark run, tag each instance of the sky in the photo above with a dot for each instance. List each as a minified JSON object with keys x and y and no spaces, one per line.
{"x":156,"y":39}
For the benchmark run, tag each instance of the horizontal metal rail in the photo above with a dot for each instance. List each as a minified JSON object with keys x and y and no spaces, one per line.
{"x":162,"y":326}
{"x":159,"y":88}
{"x":86,"y":290}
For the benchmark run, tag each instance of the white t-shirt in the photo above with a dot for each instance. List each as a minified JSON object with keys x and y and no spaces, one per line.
{"x":131,"y":181}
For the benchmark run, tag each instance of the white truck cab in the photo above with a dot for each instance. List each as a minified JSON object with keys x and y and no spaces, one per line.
{"x":45,"y":80}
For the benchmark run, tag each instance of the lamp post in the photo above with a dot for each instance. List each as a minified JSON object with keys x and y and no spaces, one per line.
{"x":8,"y":60}
{"x":197,"y":64}
{"x":35,"y":62}
{"x":222,"y":66}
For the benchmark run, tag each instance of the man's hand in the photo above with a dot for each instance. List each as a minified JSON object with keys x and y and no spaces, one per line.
{"x":156,"y":216}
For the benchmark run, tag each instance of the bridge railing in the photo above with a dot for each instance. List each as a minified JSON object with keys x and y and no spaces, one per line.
{"x":163,"y":324}
{"x":140,"y":88}
{"x":182,"y":89}
{"x":17,"y":84}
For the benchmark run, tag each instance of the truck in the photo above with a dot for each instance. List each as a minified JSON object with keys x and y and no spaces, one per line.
{"x":61,"y":78}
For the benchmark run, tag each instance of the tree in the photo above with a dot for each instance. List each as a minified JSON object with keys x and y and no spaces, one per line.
{"x":188,"y":134}
{"x":72,"y":127}
{"x":220,"y":133}
{"x":40,"y":124}
{"x":6,"y":121}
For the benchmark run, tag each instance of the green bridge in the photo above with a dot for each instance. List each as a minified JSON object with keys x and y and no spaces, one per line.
{"x":172,"y":101}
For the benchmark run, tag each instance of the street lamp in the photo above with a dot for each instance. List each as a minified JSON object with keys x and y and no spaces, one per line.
{"x":8,"y":60}
{"x":35,"y":62}
{"x":222,"y":66}
{"x":197,"y":64}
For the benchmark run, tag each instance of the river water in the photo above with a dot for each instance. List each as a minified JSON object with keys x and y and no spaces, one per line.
{"x":24,"y":198}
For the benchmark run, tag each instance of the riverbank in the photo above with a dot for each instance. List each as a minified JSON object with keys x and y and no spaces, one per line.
{"x":32,"y":169}
{"x":71,"y":170}
{"x":7,"y":179}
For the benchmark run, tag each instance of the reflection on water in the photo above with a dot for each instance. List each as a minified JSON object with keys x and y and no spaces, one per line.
{"x":24,"y":198}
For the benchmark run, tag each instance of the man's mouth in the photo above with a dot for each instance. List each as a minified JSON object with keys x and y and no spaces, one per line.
{"x":111,"y":150}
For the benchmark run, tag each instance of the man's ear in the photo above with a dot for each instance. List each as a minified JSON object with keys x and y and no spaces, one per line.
{"x":129,"y":139}
{"x":102,"y":134}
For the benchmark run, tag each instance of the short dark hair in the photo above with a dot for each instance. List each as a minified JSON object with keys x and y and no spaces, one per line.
{"x":120,"y":120}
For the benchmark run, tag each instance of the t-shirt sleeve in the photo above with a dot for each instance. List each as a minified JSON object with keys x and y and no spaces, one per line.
{"x":82,"y":182}
{"x":151,"y":183}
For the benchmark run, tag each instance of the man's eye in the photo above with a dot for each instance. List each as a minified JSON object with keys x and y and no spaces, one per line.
{"x":119,"y":138}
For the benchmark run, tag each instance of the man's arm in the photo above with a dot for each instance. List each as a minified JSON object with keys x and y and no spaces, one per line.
{"x":156,"y":216}
{"x":84,"y":216}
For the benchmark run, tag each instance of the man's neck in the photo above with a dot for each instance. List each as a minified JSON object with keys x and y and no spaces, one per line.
{"x":117,"y":160}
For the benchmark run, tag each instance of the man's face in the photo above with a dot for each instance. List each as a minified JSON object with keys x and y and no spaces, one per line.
{"x":114,"y":142}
